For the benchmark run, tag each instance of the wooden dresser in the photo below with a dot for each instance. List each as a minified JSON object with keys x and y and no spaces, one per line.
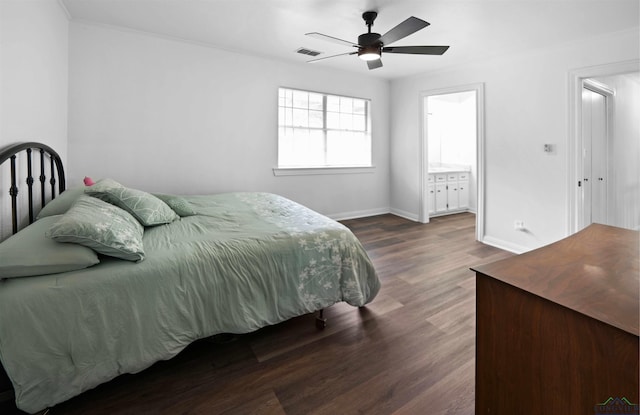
{"x":557,"y":327}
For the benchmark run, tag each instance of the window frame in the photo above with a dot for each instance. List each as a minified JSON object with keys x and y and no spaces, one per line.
{"x":283,"y":170}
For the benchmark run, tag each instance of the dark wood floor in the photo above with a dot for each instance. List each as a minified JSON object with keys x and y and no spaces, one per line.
{"x":411,"y":351}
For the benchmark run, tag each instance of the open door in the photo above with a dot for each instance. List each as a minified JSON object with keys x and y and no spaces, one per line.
{"x":595,"y":121}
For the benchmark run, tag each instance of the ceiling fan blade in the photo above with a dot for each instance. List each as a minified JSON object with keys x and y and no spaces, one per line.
{"x":374,"y":64}
{"x":416,"y":50}
{"x":331,"y":39}
{"x":332,"y":56}
{"x":404,"y":29}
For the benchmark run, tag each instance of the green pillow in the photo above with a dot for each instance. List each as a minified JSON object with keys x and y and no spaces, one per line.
{"x":101,"y":226}
{"x":61,"y":203}
{"x":180,"y":205}
{"x":29,"y":253}
{"x":146,"y":208}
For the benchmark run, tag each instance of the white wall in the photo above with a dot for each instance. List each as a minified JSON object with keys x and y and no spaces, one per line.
{"x":526,"y":106}
{"x":452,"y":128}
{"x":171,"y":116}
{"x":33,"y":79}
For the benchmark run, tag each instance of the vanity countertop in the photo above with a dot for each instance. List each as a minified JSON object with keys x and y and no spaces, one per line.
{"x":439,"y":170}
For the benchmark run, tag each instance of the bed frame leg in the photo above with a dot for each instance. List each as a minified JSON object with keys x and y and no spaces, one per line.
{"x":321,"y":322}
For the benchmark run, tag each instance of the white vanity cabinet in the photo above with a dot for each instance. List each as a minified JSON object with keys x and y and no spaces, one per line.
{"x":448,"y":192}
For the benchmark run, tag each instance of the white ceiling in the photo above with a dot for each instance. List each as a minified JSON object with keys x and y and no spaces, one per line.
{"x":474,"y":29}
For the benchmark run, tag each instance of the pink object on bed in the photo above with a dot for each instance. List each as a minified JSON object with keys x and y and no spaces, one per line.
{"x":88,"y":181}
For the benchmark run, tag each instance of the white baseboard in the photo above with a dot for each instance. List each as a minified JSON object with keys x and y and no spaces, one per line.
{"x":451,"y":212}
{"x":504,"y":245}
{"x":488,"y":240}
{"x":405,"y":214}
{"x":382,"y":211}
{"x":359,"y":214}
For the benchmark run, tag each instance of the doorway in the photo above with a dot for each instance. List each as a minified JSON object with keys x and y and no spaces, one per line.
{"x":611,"y":193}
{"x":452,"y":140}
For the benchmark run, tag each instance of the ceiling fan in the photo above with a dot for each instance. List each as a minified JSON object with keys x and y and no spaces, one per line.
{"x":371,"y":45}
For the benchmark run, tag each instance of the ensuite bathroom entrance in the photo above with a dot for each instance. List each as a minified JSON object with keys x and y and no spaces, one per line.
{"x":451,"y":120}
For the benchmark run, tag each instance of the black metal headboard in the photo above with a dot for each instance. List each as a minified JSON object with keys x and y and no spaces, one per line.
{"x":55,"y":168}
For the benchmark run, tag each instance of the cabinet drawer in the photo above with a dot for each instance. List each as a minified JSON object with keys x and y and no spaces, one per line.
{"x":441,"y":178}
{"x":430,"y":179}
{"x":452,"y":177}
{"x":463,"y":176}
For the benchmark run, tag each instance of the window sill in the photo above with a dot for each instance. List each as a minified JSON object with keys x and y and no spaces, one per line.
{"x":307,"y":171}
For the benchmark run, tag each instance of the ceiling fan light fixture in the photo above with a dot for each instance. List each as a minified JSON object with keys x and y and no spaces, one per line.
{"x":369,"y":53}
{"x":371,"y":45}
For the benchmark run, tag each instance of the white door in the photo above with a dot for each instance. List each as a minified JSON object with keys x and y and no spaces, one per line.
{"x":441,"y":197}
{"x":452,"y":195}
{"x":599,"y":159}
{"x":463,"y":195}
{"x":431,"y":196}
{"x":594,"y":157}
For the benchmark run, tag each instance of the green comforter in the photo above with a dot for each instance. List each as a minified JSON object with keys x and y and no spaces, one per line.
{"x":245,"y":261}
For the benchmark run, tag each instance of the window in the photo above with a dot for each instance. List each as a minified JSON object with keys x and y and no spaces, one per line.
{"x":321,"y":130}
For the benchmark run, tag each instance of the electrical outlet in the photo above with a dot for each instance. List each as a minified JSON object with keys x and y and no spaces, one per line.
{"x":518,"y":225}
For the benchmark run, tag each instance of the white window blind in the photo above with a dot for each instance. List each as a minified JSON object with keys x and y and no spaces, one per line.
{"x":322,"y":130}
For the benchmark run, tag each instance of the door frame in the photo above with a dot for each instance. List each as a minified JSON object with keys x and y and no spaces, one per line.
{"x":574,"y":156}
{"x":480,"y":157}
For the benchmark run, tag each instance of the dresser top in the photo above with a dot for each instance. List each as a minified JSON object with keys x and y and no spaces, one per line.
{"x":595,"y":272}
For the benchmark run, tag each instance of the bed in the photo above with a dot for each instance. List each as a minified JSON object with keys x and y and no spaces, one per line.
{"x":224,"y":263}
